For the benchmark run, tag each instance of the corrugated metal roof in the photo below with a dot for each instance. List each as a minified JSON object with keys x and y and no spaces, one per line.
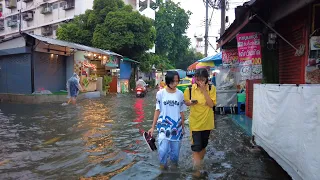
{"x":72,"y":45}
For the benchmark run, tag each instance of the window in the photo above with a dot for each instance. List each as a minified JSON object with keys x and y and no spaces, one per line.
{"x":1,"y":8}
{"x":14,"y":17}
{"x":55,"y":6}
{"x":62,"y":4}
{"x":31,"y":32}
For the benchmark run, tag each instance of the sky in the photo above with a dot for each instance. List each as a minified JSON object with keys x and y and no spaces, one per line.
{"x":197,"y":20}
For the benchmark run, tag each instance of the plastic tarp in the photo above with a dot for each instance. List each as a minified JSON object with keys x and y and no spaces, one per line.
{"x":226,"y":97}
{"x":286,"y":123}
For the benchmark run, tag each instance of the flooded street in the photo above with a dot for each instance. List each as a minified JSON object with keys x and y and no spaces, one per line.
{"x":101,"y":139}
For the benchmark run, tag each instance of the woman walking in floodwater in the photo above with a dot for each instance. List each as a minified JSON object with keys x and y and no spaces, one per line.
{"x":73,"y":87}
{"x":169,"y":118}
{"x":201,"y":98}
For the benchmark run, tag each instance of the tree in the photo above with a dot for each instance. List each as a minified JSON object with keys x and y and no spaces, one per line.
{"x":171,"y":24}
{"x":125,"y":32}
{"x":111,"y":25}
{"x":189,"y":58}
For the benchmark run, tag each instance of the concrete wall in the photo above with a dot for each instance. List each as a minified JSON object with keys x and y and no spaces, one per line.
{"x":49,"y":72}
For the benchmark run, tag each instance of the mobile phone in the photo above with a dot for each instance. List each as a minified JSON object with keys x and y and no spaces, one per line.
{"x":194,"y":101}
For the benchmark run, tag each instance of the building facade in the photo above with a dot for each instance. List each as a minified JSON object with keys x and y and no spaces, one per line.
{"x":42,"y":17}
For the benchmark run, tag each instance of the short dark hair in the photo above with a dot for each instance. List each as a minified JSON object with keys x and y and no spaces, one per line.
{"x":202,"y":73}
{"x":170,"y":77}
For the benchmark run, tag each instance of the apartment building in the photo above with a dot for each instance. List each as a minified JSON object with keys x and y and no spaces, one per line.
{"x":38,"y":16}
{"x":43,"y":17}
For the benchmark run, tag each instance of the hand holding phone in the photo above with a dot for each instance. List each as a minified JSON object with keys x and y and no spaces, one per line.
{"x":194,"y":101}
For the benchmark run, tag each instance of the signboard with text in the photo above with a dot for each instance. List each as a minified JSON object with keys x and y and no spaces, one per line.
{"x":249,"y":52}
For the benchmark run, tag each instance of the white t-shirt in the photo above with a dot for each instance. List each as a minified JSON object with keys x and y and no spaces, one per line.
{"x":169,"y":123}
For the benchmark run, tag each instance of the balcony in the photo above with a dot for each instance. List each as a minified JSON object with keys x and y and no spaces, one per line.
{"x":47,"y":31}
{"x":68,"y":6}
{"x":27,"y":16}
{"x":11,"y":4}
{"x":46,"y":10}
{"x":12,"y":23}
{"x":26,"y":1}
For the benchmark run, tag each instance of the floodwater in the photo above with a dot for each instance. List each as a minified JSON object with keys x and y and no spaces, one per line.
{"x":101,"y":139}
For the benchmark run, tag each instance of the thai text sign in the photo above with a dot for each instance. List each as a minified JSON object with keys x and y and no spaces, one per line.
{"x":249,"y":51}
{"x":230,"y":56}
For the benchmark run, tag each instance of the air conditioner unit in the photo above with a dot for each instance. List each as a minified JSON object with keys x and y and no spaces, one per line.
{"x":1,"y":27}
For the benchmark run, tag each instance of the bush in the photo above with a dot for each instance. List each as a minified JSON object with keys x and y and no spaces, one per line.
{"x":151,"y":83}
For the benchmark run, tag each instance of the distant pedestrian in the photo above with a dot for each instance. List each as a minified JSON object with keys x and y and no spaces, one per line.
{"x":73,"y":87}
{"x":201,"y":98}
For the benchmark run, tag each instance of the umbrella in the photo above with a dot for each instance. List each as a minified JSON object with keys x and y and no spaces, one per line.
{"x":192,"y":66}
{"x":205,"y":64}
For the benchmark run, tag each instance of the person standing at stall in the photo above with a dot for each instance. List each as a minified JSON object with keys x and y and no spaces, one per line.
{"x":201,"y":98}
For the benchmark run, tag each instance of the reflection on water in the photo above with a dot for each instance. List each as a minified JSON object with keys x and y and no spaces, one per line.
{"x":101,"y":139}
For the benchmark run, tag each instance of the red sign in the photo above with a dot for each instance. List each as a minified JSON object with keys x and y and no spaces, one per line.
{"x":249,"y":51}
{"x":230,"y":56}
{"x":249,"y":48}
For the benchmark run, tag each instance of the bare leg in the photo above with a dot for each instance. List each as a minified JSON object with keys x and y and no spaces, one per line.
{"x":197,"y":163}
{"x":74,"y":101}
{"x":203,"y":153}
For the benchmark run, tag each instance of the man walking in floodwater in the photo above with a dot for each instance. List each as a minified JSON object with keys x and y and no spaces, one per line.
{"x":73,"y":87}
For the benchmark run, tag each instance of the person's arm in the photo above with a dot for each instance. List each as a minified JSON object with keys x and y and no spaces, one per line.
{"x":182,"y":121}
{"x":155,"y":119}
{"x":156,"y":113}
{"x":187,"y":100}
{"x":209,"y":101}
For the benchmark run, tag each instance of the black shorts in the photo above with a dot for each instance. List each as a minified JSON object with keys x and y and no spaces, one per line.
{"x":200,"y":140}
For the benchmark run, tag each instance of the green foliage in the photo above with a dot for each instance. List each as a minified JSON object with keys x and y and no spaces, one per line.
{"x":106,"y":82}
{"x":151,"y":83}
{"x":171,"y":24}
{"x":126,"y":32}
{"x":189,"y":58}
{"x":132,"y":81}
{"x":111,"y":25}
{"x":85,"y":82}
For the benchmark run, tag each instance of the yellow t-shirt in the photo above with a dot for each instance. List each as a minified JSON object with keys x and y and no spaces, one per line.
{"x":201,"y":116}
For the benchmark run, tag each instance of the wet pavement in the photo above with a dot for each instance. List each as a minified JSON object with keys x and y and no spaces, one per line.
{"x":101,"y":139}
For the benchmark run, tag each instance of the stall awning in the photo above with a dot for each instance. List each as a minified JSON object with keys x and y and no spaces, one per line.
{"x":217,"y":57}
{"x":72,"y":45}
{"x":130,"y":60}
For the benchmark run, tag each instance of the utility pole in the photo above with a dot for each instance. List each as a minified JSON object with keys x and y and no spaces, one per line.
{"x":207,"y":30}
{"x":223,"y":16}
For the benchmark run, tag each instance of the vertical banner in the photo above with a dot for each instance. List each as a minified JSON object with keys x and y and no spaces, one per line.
{"x":249,"y":51}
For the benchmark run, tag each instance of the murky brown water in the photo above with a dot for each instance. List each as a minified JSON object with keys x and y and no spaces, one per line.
{"x":101,"y":139}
